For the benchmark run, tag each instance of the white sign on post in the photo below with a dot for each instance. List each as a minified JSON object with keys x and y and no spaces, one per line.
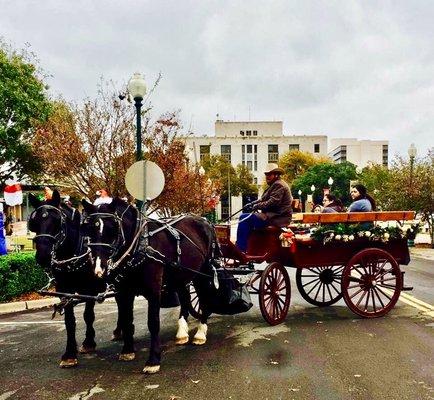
{"x":144,"y":180}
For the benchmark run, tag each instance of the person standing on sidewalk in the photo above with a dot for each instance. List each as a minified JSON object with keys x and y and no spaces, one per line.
{"x":3,"y":250}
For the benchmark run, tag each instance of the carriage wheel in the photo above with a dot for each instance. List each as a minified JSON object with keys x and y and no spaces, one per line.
{"x":371,"y":283}
{"x":194,"y":306}
{"x":274,"y":293}
{"x":320,"y":286}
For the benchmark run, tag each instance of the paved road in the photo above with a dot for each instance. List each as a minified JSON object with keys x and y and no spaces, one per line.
{"x":316,"y":354}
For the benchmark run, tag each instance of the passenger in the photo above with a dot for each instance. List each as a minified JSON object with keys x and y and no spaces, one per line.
{"x":332,"y":204}
{"x":273,"y":208}
{"x":361,"y":200}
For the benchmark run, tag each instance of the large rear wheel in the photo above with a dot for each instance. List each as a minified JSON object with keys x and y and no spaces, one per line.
{"x":320,"y":286}
{"x":371,"y":283}
{"x":274,"y":293}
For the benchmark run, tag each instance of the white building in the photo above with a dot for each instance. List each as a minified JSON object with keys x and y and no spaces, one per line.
{"x":359,"y":152}
{"x":254,"y":144}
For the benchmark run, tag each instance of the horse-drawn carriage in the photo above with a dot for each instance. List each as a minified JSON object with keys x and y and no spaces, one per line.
{"x":363,"y":270}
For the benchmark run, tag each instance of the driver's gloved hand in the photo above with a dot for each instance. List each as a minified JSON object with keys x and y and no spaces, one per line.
{"x":248,"y":207}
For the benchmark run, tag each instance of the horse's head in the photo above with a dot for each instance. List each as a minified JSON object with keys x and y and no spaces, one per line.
{"x":49,"y":222}
{"x":108,"y":227}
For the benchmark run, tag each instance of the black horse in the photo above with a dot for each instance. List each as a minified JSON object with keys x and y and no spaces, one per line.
{"x":135,"y":254}
{"x":60,"y":251}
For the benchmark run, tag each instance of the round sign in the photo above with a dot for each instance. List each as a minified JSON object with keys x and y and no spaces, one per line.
{"x":144,"y":180}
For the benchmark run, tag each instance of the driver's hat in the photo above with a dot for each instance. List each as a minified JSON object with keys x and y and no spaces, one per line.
{"x":273,"y":168}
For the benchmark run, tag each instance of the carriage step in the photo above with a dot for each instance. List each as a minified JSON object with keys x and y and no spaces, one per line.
{"x":406,"y":288}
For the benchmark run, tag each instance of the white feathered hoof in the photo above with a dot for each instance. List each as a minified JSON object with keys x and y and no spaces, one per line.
{"x":182,"y":334}
{"x":151,"y":369}
{"x":200,"y":337}
{"x":127,"y":356}
{"x":68,"y":363}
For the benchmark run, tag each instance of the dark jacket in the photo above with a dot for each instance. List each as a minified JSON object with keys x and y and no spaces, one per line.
{"x":275,"y":204}
{"x":333,"y":208}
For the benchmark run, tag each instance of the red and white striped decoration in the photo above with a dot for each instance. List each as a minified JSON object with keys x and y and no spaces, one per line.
{"x":13,"y":194}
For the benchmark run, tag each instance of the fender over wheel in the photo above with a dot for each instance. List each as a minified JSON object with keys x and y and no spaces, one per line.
{"x":274,"y":293}
{"x":371,"y":283}
{"x":320,"y":286}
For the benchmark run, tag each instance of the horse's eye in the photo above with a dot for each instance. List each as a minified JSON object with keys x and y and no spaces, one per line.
{"x":44,"y":215}
{"x":97,"y":223}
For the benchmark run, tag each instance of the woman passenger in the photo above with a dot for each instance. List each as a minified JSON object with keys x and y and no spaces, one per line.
{"x":332,"y":204}
{"x":361,"y":200}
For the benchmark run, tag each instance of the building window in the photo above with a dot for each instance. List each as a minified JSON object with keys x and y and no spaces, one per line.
{"x":204,"y":152}
{"x":273,"y":153}
{"x":226,"y":151}
{"x":255,"y":180}
{"x":316,"y":148}
{"x":248,"y":133}
{"x":293,"y":147}
{"x":249,"y":156}
{"x":242,"y":133}
{"x":255,"y":133}
{"x":385,"y":155}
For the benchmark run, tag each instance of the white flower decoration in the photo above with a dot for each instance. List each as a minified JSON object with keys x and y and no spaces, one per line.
{"x":338,"y":237}
{"x":367,"y":233}
{"x":351,"y":237}
{"x":386,"y":236}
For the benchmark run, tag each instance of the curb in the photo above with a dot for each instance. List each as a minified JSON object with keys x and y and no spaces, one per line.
{"x":18,"y":306}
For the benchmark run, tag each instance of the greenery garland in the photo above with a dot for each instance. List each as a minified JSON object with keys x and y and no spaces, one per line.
{"x":350,"y":232}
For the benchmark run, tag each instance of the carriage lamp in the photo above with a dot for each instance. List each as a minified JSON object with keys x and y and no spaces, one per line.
{"x":137,"y":90}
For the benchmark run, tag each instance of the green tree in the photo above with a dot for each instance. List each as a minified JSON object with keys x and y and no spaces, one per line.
{"x":221,"y":173}
{"x":412,"y":188}
{"x":318,"y":176}
{"x":296,"y":162}
{"x":24,"y":104}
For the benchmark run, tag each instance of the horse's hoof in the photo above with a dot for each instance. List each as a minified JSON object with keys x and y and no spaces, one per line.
{"x":199,"y":341}
{"x":86,"y":349}
{"x":127,"y":356}
{"x":182,"y":340}
{"x":151,"y":369}
{"x":68,"y":363}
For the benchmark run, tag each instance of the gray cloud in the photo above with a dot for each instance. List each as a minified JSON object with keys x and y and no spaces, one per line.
{"x":342,"y":68}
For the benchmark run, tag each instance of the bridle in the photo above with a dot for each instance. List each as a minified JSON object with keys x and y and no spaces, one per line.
{"x":59,"y":237}
{"x":120,"y":240}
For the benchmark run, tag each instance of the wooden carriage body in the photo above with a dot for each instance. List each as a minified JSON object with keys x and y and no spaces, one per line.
{"x":362,"y":271}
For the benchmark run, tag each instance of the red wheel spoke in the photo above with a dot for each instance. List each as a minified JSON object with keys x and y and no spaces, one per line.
{"x":361,"y":298}
{"x":353,"y":286}
{"x":384,"y":273}
{"x":373,"y":300}
{"x":388,"y":279}
{"x":383,"y":293}
{"x":355,"y":294}
{"x":378,"y":296}
{"x":367,"y":300}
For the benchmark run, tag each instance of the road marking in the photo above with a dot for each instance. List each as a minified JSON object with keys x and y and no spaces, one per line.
{"x":422,"y":303}
{"x":31,"y":322}
{"x":412,"y":301}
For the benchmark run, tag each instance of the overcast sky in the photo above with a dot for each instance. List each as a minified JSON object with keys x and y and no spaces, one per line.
{"x":361,"y":69}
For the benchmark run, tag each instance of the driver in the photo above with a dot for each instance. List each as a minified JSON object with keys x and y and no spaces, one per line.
{"x":273,"y":208}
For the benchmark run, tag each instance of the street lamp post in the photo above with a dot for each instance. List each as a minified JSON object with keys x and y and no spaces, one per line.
{"x":301,"y":200}
{"x":330,"y":182}
{"x":137,"y":90}
{"x":412,"y":152}
{"x":201,"y":174}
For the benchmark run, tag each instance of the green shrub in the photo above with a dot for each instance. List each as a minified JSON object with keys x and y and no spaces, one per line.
{"x":19,"y":274}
